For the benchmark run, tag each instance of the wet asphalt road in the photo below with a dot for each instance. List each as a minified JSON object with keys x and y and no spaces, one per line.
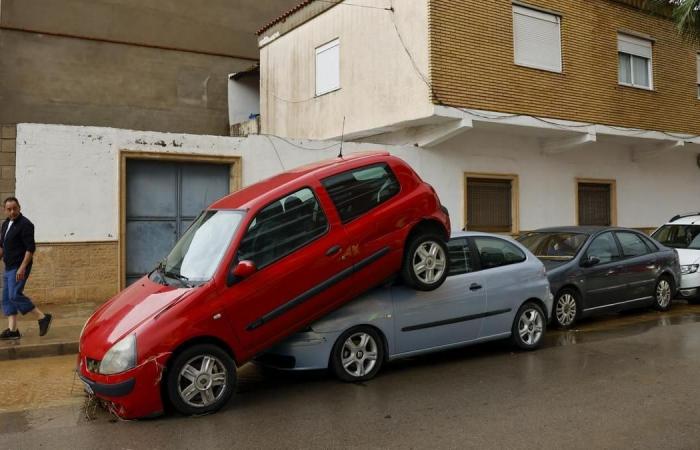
{"x":621,"y":381}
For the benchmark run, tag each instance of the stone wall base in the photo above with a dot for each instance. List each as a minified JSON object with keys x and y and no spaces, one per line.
{"x":74,"y":272}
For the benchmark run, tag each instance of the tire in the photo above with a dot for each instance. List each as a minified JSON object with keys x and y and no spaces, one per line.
{"x":425,"y":262}
{"x":566,"y":309}
{"x":194,"y":391}
{"x":529,"y":326}
{"x":358,"y":354}
{"x":663,"y":294}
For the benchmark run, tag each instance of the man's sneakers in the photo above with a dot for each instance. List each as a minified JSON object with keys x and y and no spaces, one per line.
{"x":44,"y":324}
{"x":7,"y":334}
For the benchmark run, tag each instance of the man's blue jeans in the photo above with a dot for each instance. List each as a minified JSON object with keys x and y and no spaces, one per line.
{"x":13,"y":299}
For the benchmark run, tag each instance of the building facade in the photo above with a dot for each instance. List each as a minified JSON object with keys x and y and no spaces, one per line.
{"x":157,"y":66}
{"x":528,"y":114}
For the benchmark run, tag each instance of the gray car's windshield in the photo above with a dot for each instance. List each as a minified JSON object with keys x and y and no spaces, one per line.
{"x":553,"y":245}
{"x":679,"y":236}
{"x":197,"y":254}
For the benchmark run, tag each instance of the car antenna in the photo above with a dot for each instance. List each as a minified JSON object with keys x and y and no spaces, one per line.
{"x":342,"y":136}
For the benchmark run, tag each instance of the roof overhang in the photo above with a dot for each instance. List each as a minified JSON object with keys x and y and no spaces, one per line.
{"x":555,"y":136}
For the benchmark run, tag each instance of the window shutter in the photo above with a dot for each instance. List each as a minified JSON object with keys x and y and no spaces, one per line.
{"x":594,"y":204}
{"x":698,"y":67}
{"x":536,"y":39}
{"x":489,"y":205}
{"x":634,"y":46}
{"x":328,"y":67}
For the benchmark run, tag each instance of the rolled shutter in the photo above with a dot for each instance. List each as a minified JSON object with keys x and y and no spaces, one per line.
{"x":489,"y":205}
{"x":634,"y":46}
{"x":594,"y":204}
{"x":536,"y":39}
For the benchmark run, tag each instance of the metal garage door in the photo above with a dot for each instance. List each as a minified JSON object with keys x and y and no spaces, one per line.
{"x":162,"y":199}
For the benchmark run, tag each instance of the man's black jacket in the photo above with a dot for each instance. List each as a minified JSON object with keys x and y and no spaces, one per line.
{"x":19,"y":240}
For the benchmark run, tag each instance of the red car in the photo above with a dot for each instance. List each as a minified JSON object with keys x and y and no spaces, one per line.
{"x":255,"y":267}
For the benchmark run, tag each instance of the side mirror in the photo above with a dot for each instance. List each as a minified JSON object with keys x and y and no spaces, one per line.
{"x":243,"y":269}
{"x":590,"y":261}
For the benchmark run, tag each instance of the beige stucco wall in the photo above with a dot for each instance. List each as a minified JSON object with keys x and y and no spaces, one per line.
{"x":379,"y":85}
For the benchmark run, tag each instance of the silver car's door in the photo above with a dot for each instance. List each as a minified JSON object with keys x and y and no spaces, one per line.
{"x":502,"y":265}
{"x":448,"y":315}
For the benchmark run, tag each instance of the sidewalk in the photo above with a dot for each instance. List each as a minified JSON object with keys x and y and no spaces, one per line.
{"x":62,"y":338}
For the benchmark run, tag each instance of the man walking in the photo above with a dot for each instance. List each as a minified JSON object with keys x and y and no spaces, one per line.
{"x":17,"y":249}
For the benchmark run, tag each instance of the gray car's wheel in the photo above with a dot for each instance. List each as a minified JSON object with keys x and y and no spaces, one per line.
{"x":529,"y":326}
{"x":566,"y":308}
{"x":663,"y":293}
{"x":201,"y":379}
{"x":425,"y":263}
{"x":358,"y":354}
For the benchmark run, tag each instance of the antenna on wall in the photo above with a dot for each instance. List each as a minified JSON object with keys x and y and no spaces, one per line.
{"x":342,"y":136}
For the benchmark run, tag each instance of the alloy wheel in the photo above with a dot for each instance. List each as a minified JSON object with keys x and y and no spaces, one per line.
{"x":429,"y":262}
{"x":530,"y":326}
{"x":359,"y":354}
{"x":202,"y":381}
{"x":663,"y":293}
{"x":566,"y":309}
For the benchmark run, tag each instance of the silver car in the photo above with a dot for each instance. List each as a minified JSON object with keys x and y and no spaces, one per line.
{"x":495,"y":289}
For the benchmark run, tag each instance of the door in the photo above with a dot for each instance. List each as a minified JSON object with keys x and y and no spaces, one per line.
{"x":447,"y":315}
{"x":500,"y":262}
{"x":303,"y":271}
{"x":604,"y":283}
{"x":373,"y":224}
{"x":162,"y":199}
{"x":639,"y":266}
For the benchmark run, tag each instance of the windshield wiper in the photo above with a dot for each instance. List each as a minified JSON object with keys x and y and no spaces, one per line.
{"x":181,"y":278}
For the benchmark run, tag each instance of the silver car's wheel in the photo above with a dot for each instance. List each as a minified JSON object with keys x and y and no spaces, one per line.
{"x":202,"y":381}
{"x":530,"y":326}
{"x":566,"y":309}
{"x":358,"y":354}
{"x":429,"y":262}
{"x":663,"y":294}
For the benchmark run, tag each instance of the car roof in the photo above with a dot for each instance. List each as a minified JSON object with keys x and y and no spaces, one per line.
{"x":269,"y":189}
{"x":586,"y":229}
{"x":686,"y":220}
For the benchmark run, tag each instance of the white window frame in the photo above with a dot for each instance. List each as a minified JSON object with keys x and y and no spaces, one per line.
{"x":536,"y":13}
{"x":635,"y":47}
{"x":319,"y":50}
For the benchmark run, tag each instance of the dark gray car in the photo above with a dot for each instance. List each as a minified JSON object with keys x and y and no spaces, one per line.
{"x":603,"y":269}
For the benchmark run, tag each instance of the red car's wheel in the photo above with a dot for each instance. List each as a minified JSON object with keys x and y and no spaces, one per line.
{"x":201,"y":379}
{"x":425,"y":263}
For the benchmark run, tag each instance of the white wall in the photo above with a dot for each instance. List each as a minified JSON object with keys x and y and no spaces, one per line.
{"x":243,"y":98}
{"x":379,"y":85}
{"x":68,"y":177}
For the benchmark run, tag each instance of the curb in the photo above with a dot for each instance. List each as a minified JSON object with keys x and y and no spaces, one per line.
{"x":38,"y":350}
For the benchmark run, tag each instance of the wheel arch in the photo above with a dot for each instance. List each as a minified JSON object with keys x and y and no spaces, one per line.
{"x":429,"y":225}
{"x":202,"y":340}
{"x":538,"y":302}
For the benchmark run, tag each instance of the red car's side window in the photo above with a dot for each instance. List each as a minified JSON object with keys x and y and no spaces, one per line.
{"x":282,"y":227}
{"x":357,"y":191}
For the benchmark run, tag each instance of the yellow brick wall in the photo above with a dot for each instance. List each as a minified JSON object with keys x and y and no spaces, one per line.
{"x":471,"y":49}
{"x":75,"y":272}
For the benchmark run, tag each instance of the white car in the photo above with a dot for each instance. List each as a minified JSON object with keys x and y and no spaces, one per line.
{"x":682,"y":232}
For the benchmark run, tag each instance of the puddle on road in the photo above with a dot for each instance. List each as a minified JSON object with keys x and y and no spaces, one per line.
{"x":619,"y":325}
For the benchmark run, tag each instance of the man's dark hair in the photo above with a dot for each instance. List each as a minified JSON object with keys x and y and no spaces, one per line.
{"x":10,"y":199}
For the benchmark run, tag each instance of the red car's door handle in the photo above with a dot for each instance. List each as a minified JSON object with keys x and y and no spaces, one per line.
{"x":333,"y":250}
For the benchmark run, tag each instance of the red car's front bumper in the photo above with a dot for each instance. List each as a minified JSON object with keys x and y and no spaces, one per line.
{"x":132,"y":394}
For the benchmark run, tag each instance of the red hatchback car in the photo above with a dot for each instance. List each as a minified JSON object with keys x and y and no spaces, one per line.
{"x":255,"y":267}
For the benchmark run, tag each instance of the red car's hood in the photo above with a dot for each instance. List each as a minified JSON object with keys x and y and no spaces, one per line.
{"x":124,"y":312}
